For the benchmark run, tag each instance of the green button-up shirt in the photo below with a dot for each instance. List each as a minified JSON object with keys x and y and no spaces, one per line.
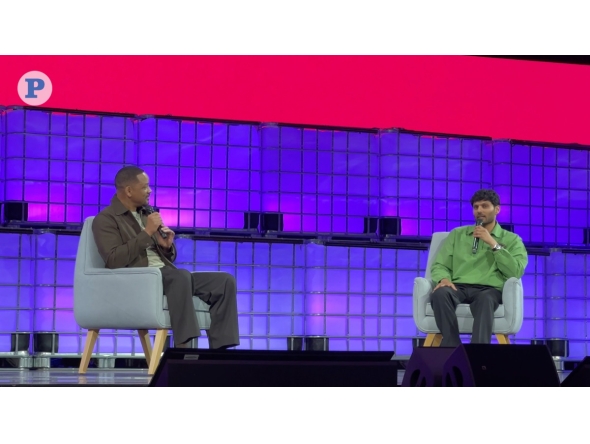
{"x":456,"y":262}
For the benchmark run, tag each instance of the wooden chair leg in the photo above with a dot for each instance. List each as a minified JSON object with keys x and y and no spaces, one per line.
{"x":437,"y":340}
{"x":433,"y":340}
{"x":146,"y":344}
{"x":91,"y":337}
{"x":161,"y":336}
{"x":502,"y":339}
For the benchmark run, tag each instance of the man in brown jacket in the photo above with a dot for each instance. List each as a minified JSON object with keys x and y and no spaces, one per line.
{"x":128,"y":236}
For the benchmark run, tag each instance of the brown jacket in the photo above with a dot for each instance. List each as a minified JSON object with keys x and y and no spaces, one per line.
{"x":120,"y":240}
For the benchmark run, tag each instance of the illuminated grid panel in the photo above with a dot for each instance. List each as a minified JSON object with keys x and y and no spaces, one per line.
{"x":203,"y":174}
{"x":36,"y":293}
{"x":270,"y":280}
{"x":316,"y":177}
{"x":64,"y":164}
{"x":279,"y":288}
{"x":567,"y":299}
{"x":286,"y":289}
{"x":54,"y":262}
{"x":558,"y":181}
{"x":533,"y":282}
{"x":361,"y":298}
{"x":16,"y":286}
{"x":323,"y":181}
{"x":544,"y":191}
{"x":428,"y":181}
{"x":2,"y":152}
{"x":556,"y":301}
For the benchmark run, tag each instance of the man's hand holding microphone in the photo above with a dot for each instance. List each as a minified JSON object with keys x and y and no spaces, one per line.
{"x":154,"y":224}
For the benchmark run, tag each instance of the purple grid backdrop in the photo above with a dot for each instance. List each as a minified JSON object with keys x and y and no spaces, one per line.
{"x":360,"y":297}
{"x":207,"y":174}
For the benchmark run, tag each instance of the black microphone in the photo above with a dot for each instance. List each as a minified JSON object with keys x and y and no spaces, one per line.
{"x":149,"y":210}
{"x":478,"y":223}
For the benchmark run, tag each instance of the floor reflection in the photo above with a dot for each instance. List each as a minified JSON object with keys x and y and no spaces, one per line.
{"x":61,"y":377}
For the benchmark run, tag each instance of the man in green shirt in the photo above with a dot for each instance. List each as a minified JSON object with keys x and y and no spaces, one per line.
{"x":465,"y":275}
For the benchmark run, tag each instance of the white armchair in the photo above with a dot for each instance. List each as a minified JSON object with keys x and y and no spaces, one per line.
{"x":122,"y":298}
{"x":507,"y":318}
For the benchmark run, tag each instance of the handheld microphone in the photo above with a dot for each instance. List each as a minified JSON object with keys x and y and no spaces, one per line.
{"x":478,"y":223}
{"x":149,"y":210}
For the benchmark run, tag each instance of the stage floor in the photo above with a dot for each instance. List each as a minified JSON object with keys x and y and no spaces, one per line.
{"x":68,"y":377}
{"x":62,"y":370}
{"x":61,"y":377}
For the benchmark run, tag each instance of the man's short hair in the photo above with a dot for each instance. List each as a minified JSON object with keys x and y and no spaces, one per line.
{"x":485,"y":194}
{"x":127,"y":176}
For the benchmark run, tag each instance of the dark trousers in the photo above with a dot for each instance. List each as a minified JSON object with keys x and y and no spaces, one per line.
{"x":217,"y":289}
{"x":483,"y":302}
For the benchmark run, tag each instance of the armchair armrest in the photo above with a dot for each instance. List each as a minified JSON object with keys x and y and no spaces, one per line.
{"x":421,"y":296}
{"x":512,"y":299}
{"x":123,"y":271}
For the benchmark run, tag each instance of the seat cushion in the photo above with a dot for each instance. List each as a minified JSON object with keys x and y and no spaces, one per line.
{"x":198,"y":303}
{"x":463,"y":311}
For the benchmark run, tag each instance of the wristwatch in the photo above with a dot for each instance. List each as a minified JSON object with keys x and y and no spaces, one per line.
{"x":497,"y":247}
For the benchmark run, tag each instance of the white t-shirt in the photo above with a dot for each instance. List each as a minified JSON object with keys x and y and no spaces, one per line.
{"x":154,"y":259}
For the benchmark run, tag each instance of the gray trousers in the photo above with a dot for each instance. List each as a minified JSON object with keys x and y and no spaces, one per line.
{"x":483,"y":302}
{"x":217,"y":289}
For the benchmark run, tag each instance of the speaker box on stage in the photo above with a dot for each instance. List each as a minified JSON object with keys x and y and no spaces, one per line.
{"x":180,"y":367}
{"x":580,"y":375}
{"x":425,"y":367}
{"x":493,"y":365}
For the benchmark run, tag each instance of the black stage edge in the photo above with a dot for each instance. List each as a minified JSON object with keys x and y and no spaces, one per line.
{"x":500,"y":365}
{"x":580,"y":376}
{"x":181,"y":367}
{"x":481,"y":365}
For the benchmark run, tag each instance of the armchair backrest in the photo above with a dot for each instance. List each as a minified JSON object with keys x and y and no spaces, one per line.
{"x":87,"y":256}
{"x":435,"y":245}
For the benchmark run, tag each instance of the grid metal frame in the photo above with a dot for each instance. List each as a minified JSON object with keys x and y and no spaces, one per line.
{"x":204,"y":174}
{"x":545,"y":189}
{"x":64,"y":165}
{"x":322,"y":180}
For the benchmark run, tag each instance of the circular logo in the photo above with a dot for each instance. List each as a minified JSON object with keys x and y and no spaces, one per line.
{"x":34,"y":88}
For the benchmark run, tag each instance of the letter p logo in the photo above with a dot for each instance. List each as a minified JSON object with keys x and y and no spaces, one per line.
{"x":34,"y":85}
{"x":34,"y":88}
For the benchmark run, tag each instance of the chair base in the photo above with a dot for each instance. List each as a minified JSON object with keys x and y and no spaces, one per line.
{"x":151,"y":356}
{"x":434,"y":339}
